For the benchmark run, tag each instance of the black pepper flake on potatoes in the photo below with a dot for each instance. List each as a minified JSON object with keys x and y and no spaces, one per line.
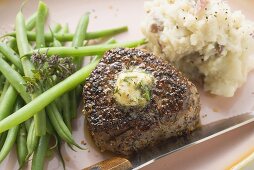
{"x":170,"y":103}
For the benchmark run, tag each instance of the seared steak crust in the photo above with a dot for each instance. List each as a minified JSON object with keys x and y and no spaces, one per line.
{"x":173,"y":109}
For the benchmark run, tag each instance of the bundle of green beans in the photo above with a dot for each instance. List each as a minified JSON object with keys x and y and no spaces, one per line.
{"x":33,"y":119}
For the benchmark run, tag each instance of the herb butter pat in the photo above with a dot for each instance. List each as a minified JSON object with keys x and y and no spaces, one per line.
{"x":133,"y":88}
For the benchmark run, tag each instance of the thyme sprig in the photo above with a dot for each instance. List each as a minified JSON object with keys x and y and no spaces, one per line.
{"x":48,"y":71}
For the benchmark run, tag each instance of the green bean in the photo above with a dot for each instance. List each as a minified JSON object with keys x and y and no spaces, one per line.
{"x":69,"y":37}
{"x":56,"y":43}
{"x":64,"y":100}
{"x":6,"y":85}
{"x":80,"y":36}
{"x":57,"y":28}
{"x":40,"y":21}
{"x":30,"y":24}
{"x":15,"y":79}
{"x":47,"y":97}
{"x":23,"y":47}
{"x":21,"y":145}
{"x":23,"y":44}
{"x":59,"y":151}
{"x":32,"y":140}
{"x":9,"y":99}
{"x":5,"y":88}
{"x":11,"y":137}
{"x":85,"y":51}
{"x":12,"y":43}
{"x":58,"y":124}
{"x":59,"y":105}
{"x":81,"y":31}
{"x":11,"y":55}
{"x":9,"y":142}
{"x":40,"y":153}
{"x":28,"y":124}
{"x":2,"y":81}
{"x":78,"y":40}
{"x":110,"y":41}
{"x":50,"y":129}
{"x":65,"y":29}
{"x":21,"y":35}
{"x":66,"y":110}
{"x":2,"y":139}
{"x":40,"y":122}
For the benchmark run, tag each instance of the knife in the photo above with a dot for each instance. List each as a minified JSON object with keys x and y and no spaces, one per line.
{"x":203,"y":133}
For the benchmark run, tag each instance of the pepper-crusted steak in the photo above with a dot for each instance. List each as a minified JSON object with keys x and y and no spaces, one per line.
{"x":173,"y":107}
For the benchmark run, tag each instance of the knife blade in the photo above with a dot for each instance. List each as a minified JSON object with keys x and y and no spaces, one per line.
{"x":174,"y":144}
{"x":204,"y":133}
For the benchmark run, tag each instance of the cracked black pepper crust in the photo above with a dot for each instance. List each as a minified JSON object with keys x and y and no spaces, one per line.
{"x":171,"y":97}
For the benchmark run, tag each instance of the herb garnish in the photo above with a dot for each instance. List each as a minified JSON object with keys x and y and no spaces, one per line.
{"x":49,"y":71}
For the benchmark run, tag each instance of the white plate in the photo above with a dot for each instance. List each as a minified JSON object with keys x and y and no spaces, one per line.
{"x":108,"y":14}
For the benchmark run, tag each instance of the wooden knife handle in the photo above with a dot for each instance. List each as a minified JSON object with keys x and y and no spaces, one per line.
{"x":115,"y":163}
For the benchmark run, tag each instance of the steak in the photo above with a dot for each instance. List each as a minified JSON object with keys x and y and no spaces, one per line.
{"x":160,"y":102}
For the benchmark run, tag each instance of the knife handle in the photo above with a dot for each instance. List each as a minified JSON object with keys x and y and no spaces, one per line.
{"x":115,"y":163}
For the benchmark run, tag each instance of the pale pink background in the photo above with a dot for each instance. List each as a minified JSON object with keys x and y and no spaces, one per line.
{"x":214,"y":154}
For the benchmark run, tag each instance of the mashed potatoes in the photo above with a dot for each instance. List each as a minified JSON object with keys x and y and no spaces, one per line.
{"x":204,"y":39}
